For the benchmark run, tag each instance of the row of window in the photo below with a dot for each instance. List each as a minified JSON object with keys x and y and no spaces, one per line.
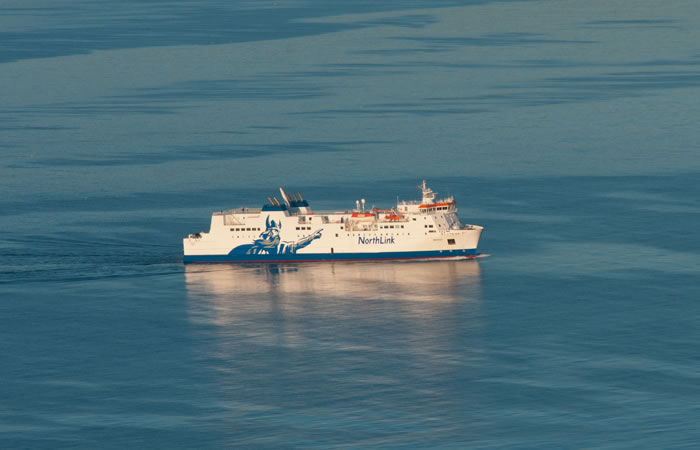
{"x":309,"y":228}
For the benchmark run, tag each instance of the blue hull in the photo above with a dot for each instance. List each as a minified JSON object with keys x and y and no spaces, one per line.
{"x":308,"y":257}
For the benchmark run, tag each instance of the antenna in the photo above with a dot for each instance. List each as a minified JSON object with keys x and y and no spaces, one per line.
{"x":276,"y":201}
{"x":270,"y":200}
{"x":300,"y":197}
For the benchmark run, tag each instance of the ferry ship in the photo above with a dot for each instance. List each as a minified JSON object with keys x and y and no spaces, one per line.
{"x":289,"y":231}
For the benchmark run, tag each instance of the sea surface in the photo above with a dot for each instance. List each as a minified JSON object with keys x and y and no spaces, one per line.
{"x":568,"y":129}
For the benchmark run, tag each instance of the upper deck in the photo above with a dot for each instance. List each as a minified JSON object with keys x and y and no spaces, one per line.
{"x":295,"y":205}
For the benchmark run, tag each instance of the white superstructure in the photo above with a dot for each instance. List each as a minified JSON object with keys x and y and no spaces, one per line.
{"x":289,"y":230}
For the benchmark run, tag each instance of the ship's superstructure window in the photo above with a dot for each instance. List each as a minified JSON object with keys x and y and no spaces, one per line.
{"x":451,"y":241}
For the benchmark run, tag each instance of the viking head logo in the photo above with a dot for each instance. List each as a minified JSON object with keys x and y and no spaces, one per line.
{"x":271,"y":224}
{"x":271,"y":236}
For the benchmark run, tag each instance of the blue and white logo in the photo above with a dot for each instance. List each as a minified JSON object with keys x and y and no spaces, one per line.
{"x":270,"y":242}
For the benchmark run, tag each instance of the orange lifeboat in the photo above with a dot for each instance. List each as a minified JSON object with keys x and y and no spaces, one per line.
{"x":393,"y":217}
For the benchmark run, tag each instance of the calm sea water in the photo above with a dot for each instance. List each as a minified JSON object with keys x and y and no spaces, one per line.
{"x":568,"y":129}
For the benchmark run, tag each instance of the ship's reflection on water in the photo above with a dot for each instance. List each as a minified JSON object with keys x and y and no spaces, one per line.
{"x":273,"y":298}
{"x":434,"y":281}
{"x":293,"y":348}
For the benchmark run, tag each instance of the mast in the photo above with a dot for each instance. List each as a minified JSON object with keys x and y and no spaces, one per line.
{"x":428,"y":194}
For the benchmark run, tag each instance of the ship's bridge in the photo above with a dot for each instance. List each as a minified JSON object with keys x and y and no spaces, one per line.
{"x":428,"y":204}
{"x":443,"y":206}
